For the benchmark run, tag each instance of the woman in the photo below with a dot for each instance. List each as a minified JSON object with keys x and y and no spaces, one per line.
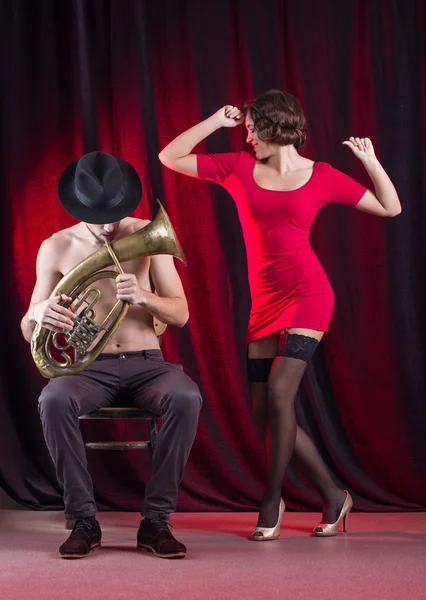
{"x":278,"y":192}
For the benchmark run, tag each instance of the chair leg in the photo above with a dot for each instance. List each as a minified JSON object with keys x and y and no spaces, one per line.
{"x":153,"y":432}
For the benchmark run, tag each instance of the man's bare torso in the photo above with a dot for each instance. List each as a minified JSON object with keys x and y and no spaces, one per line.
{"x":76,"y":243}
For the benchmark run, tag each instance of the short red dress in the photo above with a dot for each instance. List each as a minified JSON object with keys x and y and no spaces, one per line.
{"x":288,"y":286}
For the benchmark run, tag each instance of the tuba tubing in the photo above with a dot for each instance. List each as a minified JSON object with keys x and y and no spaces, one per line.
{"x":158,"y":237}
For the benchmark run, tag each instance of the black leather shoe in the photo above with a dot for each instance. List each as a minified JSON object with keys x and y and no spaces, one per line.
{"x":86,"y":535}
{"x":154,"y":535}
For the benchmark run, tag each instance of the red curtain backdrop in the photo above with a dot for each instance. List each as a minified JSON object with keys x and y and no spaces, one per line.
{"x":127,"y":77}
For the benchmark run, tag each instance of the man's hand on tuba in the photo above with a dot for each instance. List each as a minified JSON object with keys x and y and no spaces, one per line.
{"x":51,"y":315}
{"x":129,"y":290}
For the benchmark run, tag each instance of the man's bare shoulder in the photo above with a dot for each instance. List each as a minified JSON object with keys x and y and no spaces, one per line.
{"x":61,"y":239}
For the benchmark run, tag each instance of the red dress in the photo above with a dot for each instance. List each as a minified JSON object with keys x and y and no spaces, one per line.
{"x":288,"y":286}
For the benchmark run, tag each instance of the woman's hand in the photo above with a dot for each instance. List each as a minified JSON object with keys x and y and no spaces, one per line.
{"x":362,"y":148}
{"x":384,"y":202}
{"x":229,"y":116}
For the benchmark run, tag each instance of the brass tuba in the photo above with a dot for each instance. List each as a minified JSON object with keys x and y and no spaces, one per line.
{"x":88,"y":338}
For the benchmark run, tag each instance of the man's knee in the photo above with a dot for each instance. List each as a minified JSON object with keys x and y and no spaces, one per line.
{"x":55,"y":402}
{"x":185,"y":400}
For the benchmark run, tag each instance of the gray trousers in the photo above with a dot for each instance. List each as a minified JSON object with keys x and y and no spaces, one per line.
{"x":153,"y":385}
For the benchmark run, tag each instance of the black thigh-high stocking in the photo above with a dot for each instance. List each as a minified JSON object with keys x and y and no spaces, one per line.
{"x":308,"y":461}
{"x":284,"y":381}
{"x":305,"y":457}
{"x":259,"y":404}
{"x":258,"y":370}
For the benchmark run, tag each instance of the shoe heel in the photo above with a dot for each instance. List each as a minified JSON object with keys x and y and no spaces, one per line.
{"x":331,"y":529}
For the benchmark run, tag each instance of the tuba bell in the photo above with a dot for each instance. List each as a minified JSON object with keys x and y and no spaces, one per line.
{"x":88,"y":338}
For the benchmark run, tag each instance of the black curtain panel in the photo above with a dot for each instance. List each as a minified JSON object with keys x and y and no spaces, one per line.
{"x":127,"y":77}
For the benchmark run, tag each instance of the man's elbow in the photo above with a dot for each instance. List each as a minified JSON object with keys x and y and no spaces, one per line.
{"x":183,"y":317}
{"x":26,"y":332}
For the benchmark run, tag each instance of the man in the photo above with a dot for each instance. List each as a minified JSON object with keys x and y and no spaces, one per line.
{"x":101,"y":190}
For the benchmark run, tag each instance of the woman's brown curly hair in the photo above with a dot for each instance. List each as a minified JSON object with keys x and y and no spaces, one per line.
{"x":278,"y":118}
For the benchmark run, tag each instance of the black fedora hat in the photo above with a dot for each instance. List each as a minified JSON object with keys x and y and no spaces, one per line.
{"x":99,"y":188}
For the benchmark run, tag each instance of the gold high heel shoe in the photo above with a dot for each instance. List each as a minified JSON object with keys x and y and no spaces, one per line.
{"x":263,"y":534}
{"x":330,"y":529}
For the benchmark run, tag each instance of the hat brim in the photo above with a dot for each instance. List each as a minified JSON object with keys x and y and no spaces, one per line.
{"x":73,"y":206}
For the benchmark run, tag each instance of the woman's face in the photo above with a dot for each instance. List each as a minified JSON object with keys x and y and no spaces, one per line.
{"x":262,"y":150}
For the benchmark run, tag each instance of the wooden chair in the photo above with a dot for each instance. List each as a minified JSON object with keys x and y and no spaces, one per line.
{"x":118,"y":412}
